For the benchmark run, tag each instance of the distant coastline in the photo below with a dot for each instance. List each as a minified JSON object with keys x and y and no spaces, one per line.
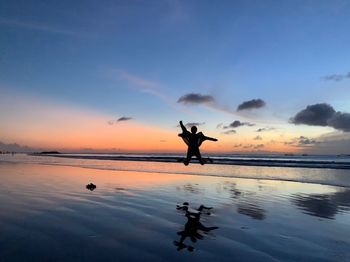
{"x":49,"y":153}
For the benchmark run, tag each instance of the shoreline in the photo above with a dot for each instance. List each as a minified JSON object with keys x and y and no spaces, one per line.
{"x":185,"y":172}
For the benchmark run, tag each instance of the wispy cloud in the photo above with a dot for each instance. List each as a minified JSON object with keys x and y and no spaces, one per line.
{"x":212,"y":102}
{"x":336,"y":77}
{"x":203,"y":99}
{"x":331,"y":143}
{"x":189,"y":125}
{"x":229,"y":132}
{"x":302,"y":141}
{"x":264,"y":129}
{"x":238,"y":123}
{"x":145,"y":84}
{"x":306,"y":141}
{"x":120,"y":119}
{"x":40,"y":27}
{"x":124,"y":118}
{"x":139,"y":83}
{"x":251,"y":104}
{"x":252,"y":146}
{"x":196,"y":99}
{"x":259,"y":146}
{"x":218,"y":126}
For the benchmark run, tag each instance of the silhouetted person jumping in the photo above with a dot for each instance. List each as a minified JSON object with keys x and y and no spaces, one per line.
{"x":194,"y":140}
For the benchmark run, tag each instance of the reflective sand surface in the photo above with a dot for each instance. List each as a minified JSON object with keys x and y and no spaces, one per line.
{"x":336,"y":177}
{"x":47,"y":214}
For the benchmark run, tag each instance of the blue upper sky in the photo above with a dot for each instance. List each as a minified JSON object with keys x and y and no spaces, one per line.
{"x":137,"y":58}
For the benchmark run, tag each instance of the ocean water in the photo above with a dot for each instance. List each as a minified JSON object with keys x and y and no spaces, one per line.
{"x":325,"y":170}
{"x":286,"y":160}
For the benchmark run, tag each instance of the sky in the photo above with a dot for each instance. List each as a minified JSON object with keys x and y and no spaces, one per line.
{"x":118,"y":76}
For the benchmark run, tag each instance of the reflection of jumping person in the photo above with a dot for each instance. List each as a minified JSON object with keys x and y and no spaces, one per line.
{"x":194,"y":141}
{"x":193,"y":229}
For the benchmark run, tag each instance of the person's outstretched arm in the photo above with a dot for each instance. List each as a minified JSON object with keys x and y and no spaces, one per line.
{"x":183,"y":127}
{"x":210,"y":138}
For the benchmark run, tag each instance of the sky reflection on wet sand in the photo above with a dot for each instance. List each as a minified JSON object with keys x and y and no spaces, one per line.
{"x":132,"y":214}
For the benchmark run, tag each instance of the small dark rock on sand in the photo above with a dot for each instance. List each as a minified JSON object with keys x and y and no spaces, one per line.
{"x":91,"y":186}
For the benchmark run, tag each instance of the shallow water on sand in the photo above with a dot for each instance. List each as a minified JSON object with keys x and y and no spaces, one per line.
{"x":335,"y":177}
{"x":47,"y":214}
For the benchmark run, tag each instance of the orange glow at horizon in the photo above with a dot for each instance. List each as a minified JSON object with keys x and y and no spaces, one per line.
{"x":130,"y":136}
{"x":39,"y":124}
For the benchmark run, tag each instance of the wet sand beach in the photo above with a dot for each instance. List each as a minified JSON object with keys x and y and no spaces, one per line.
{"x":48,"y":214}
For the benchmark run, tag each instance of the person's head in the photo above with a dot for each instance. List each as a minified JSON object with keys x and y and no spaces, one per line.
{"x":194,"y":129}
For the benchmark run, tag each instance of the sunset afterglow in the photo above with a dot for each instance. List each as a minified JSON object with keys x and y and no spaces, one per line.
{"x":259,"y":79}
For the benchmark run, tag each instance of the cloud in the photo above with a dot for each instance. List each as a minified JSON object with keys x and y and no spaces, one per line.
{"x":205,"y":100}
{"x":314,"y":115}
{"x":195,"y":99}
{"x":137,"y":80}
{"x":124,"y":118}
{"x":322,"y":115}
{"x":340,"y":121}
{"x":264,"y":129}
{"x":229,"y":132}
{"x":238,"y":123}
{"x":144,"y":84}
{"x":332,"y":143}
{"x":301,"y":141}
{"x":189,"y":125}
{"x":257,"y":138}
{"x":336,"y":77}
{"x":306,"y":141}
{"x":251,"y":146}
{"x":218,"y":126}
{"x":251,"y":104}
{"x":139,"y":83}
{"x":237,"y":145}
{"x":259,"y":146}
{"x":120,"y":119}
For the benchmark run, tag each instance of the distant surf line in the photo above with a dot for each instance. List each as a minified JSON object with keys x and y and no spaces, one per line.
{"x":189,"y":173}
{"x":278,"y":162}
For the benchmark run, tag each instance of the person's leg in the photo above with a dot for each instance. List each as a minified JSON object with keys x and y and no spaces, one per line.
{"x":188,"y":157}
{"x":199,"y":157}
